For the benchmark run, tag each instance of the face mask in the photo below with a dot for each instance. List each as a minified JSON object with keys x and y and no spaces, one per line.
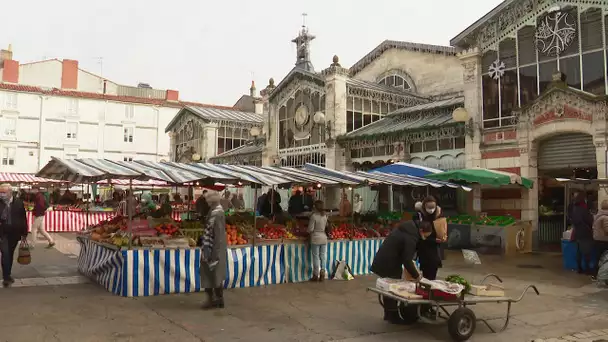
{"x":430,"y":211}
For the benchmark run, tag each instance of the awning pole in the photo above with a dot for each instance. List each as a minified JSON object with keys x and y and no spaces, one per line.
{"x":352,"y":204}
{"x":391,"y":205}
{"x":130,"y":214}
{"x":566,"y":204}
{"x":255,"y":215}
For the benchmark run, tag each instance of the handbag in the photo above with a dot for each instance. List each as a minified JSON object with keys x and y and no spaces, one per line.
{"x":24,"y":258}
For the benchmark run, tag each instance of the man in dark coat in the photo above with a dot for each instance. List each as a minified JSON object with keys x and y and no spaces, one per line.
{"x":13,"y":227}
{"x":202,"y":207}
{"x":296,"y":204}
{"x":396,"y":252}
{"x":582,"y":221}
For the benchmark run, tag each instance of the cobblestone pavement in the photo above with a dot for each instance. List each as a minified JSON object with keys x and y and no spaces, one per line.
{"x":54,"y":310}
{"x":587,"y":336}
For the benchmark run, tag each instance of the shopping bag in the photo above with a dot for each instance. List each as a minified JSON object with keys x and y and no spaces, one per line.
{"x":24,"y":258}
{"x":342,"y":271}
{"x":441,"y":228}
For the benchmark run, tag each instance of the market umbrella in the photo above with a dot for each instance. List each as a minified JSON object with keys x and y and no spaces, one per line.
{"x":407,"y":169}
{"x":483,"y":177}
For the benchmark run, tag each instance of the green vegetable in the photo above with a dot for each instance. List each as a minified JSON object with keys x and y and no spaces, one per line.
{"x":457,"y":279}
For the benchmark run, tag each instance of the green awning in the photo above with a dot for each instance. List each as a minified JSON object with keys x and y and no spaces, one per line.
{"x":483,"y":177}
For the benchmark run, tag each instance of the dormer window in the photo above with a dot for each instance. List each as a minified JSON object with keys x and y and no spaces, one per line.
{"x":395,"y":81}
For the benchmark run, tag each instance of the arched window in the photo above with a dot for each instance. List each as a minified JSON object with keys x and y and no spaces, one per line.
{"x":395,"y":81}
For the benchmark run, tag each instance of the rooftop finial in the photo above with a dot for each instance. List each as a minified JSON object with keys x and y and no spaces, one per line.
{"x":302,"y":42}
{"x":10,"y":47}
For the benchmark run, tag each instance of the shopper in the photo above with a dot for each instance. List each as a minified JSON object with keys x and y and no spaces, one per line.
{"x":295,"y":205}
{"x":396,"y":253}
{"x":357,"y":208}
{"x":429,"y":248}
{"x":600,"y":234}
{"x":40,"y":208}
{"x":13,"y":227}
{"x":582,"y":222}
{"x":202,"y":207}
{"x":317,"y":227}
{"x":225,"y":201}
{"x":213,"y":265}
{"x":345,"y":206}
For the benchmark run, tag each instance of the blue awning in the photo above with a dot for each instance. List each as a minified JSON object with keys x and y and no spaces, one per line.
{"x":407,"y":169}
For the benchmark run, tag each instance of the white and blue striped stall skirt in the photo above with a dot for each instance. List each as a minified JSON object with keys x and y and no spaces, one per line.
{"x":359,"y":254}
{"x":152,"y":272}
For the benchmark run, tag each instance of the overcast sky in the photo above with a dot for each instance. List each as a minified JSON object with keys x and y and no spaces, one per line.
{"x":210,"y":50}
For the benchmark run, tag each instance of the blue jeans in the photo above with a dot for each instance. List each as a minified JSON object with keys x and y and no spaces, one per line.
{"x":319,"y":258}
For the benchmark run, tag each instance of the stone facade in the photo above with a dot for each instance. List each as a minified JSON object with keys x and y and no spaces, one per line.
{"x":432,"y":74}
{"x":557,"y":110}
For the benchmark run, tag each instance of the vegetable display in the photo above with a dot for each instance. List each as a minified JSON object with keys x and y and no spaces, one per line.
{"x":458,"y":279}
{"x":500,"y":221}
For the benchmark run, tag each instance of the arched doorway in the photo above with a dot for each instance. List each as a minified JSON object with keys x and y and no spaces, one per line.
{"x":566,"y":155}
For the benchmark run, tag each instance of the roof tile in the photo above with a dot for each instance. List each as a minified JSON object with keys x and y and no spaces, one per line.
{"x":96,"y":96}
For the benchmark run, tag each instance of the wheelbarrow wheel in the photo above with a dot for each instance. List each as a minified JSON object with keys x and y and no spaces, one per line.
{"x":462,"y":324}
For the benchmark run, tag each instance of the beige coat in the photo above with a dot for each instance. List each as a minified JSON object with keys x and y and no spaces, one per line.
{"x":600,"y":226}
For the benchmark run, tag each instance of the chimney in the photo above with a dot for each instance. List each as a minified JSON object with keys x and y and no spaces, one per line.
{"x":69,"y":74}
{"x":172,"y":95}
{"x":10,"y":68}
{"x":252,"y":91}
{"x":10,"y":72}
{"x":259,"y":106}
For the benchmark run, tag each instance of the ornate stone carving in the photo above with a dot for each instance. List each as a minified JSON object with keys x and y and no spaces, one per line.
{"x":561,"y":105}
{"x":370,"y":94}
{"x":469,"y":73}
{"x":289,"y":91}
{"x":507,"y":21}
{"x":600,"y":143}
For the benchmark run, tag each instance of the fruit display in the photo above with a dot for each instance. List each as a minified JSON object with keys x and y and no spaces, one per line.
{"x":272,"y":232}
{"x":340,"y":232}
{"x":167,"y":229}
{"x":500,"y":221}
{"x":234,"y":236}
{"x":297,"y":229}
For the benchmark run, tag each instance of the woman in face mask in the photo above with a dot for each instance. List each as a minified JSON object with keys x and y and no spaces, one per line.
{"x":428,"y":248}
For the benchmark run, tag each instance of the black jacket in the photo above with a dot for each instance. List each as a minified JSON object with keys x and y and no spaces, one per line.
{"x":202,"y":207}
{"x":18,"y":224}
{"x":428,"y":249}
{"x":296,"y":205}
{"x":398,"y":250}
{"x":582,"y":220}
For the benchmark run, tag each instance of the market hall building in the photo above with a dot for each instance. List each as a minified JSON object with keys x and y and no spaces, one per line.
{"x":535,"y":92}
{"x":395,"y":104}
{"x":530,"y":76}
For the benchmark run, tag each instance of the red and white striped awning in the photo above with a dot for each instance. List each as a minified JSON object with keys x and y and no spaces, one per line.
{"x":9,"y":177}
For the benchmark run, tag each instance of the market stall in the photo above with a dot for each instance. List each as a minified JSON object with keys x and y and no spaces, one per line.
{"x":145,"y":257}
{"x":494,"y":234}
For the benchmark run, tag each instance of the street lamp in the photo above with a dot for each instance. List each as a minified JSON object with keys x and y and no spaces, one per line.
{"x":460,"y":114}
{"x":254,"y":132}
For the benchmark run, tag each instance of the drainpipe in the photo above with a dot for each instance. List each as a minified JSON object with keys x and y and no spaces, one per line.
{"x":40,"y":124}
